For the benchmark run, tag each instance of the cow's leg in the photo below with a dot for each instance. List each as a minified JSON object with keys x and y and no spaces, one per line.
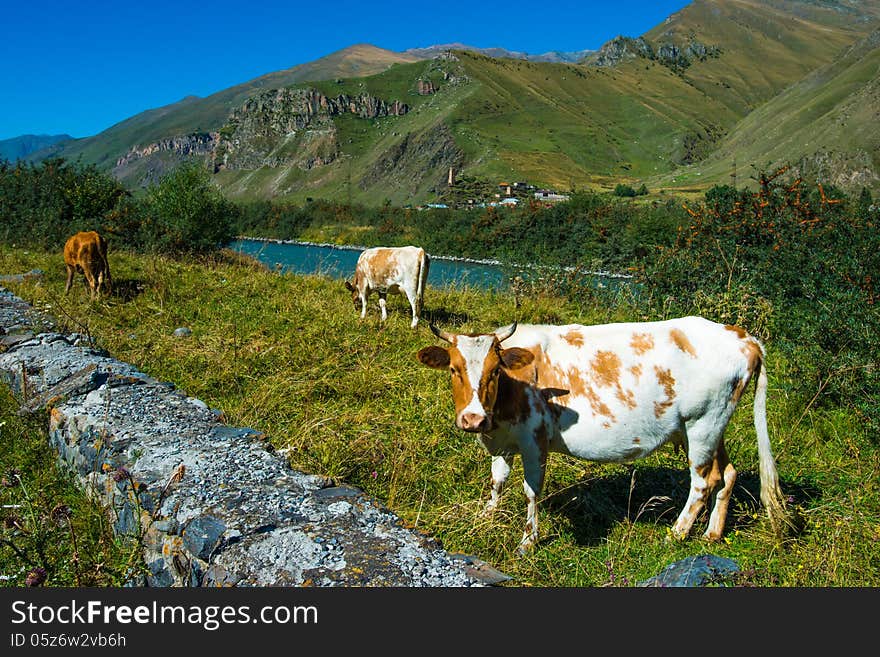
{"x":411,"y":297}
{"x":500,"y":473}
{"x":382,"y":296}
{"x":703,"y":439}
{"x":93,"y":284}
{"x":534,"y":460}
{"x":71,"y":270}
{"x":722,"y":470}
{"x":363,"y":298}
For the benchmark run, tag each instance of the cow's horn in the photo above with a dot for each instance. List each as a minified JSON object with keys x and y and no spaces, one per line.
{"x":505,"y":332}
{"x":443,"y":335}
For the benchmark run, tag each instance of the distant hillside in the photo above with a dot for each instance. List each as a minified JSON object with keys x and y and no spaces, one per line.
{"x":20,"y":147}
{"x":653,"y":112}
{"x":672,"y":107}
{"x":554,"y":56}
{"x":196,"y":115}
{"x":823,"y":127}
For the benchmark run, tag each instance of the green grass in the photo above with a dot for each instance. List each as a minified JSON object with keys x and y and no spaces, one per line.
{"x":45,"y":520}
{"x":287,"y":355}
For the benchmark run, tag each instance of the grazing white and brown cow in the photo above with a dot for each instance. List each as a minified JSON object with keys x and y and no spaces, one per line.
{"x":86,"y":253}
{"x":611,"y":393}
{"x":398,"y":270}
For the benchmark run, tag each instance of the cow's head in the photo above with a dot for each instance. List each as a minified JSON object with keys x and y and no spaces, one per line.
{"x":476,"y":363}
{"x":355,"y":295}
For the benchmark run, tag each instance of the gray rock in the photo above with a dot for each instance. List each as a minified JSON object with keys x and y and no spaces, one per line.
{"x":701,"y":570}
{"x":182,"y":332}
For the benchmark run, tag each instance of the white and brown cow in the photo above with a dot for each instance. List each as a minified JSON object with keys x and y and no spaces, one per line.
{"x":611,"y":393}
{"x":398,"y":270}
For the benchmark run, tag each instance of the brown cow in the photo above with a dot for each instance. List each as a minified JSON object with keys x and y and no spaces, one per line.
{"x":86,"y":253}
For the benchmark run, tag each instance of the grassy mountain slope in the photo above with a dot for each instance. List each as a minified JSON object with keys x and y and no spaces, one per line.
{"x":552,"y":124}
{"x":193,"y":114}
{"x":565,"y":126}
{"x":765,"y":45}
{"x":824,"y":125}
{"x":555,"y":124}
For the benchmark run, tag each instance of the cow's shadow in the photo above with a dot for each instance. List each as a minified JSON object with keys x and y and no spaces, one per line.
{"x":443,"y":318}
{"x":127,"y":289}
{"x":655,"y":495}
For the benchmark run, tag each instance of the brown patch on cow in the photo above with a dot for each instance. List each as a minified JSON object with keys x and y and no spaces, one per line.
{"x":575,"y":338}
{"x":599,"y":407}
{"x":636,"y":371}
{"x":462,"y":390}
{"x":665,"y":379}
{"x":626,"y":397}
{"x":606,"y":425}
{"x":606,"y":368}
{"x":383,"y":261}
{"x":713,"y":474}
{"x":680,"y":340}
{"x":740,"y":333}
{"x":565,"y":384}
{"x":752,"y":352}
{"x":641,"y":343}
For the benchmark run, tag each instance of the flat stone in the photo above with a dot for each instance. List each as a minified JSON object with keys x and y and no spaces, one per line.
{"x":701,"y":570}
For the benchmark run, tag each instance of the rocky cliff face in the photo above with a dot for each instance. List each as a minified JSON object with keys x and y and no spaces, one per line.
{"x":675,"y":56}
{"x":202,"y":143}
{"x":292,"y":127}
{"x":275,"y":128}
{"x":621,"y":49}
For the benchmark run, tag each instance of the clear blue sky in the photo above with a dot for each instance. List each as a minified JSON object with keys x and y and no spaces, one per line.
{"x":79,"y":66}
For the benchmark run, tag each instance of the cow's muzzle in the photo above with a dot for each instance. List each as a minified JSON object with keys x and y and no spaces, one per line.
{"x":474,"y":422}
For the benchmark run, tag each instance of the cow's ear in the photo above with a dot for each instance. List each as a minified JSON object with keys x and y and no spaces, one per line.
{"x":349,"y":286}
{"x":516,"y":358}
{"x":436,"y":357}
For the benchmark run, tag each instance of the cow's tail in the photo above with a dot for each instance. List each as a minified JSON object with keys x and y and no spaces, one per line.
{"x":771,"y":494}
{"x":421,"y":278}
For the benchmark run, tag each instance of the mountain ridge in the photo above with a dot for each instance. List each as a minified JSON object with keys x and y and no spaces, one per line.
{"x":653,"y":108}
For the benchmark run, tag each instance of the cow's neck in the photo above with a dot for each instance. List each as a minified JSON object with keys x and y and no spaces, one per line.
{"x":513,"y":402}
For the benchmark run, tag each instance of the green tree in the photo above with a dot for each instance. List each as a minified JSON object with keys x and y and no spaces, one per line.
{"x":186,"y":214}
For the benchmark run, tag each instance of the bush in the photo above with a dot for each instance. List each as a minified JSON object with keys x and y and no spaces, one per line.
{"x":186,"y":214}
{"x":792,"y":265}
{"x":42,"y":205}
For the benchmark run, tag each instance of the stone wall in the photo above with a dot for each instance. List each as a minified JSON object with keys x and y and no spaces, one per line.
{"x":213,"y":505}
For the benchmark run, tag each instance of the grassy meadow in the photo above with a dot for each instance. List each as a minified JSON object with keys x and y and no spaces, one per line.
{"x":345,"y":398}
{"x":50,"y":532}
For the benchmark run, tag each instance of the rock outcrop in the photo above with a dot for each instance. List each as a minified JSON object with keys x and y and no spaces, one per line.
{"x":672,"y":55}
{"x":200,"y":143}
{"x":211,"y":504}
{"x":621,"y":49}
{"x":292,"y":127}
{"x":433,"y":149}
{"x":278,"y":127}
